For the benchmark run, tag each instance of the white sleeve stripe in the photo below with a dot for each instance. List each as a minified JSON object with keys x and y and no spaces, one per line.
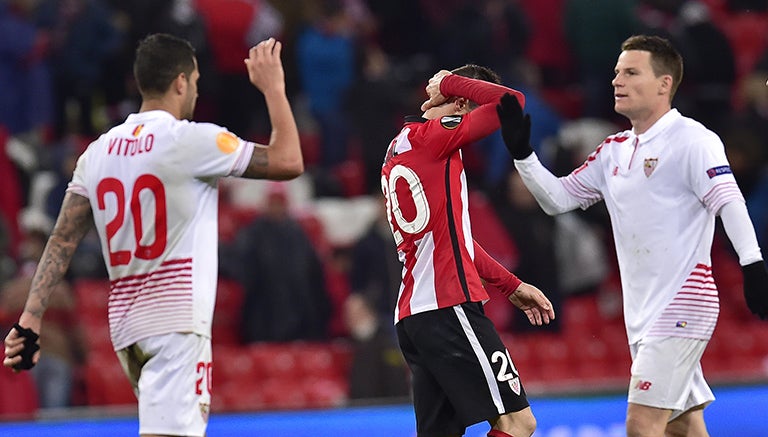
{"x":243,"y":159}
{"x":721,"y":194}
{"x":577,"y":189}
{"x":77,"y":189}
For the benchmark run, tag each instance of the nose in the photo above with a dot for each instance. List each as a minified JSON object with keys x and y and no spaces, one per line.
{"x":615,"y":82}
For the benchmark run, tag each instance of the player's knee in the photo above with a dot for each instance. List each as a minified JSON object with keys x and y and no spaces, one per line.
{"x":639,"y":428}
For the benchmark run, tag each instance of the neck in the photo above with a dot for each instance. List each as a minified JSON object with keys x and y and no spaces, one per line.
{"x":641,"y":124}
{"x":161,"y":104}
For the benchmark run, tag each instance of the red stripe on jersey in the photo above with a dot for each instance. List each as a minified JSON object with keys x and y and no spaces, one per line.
{"x":116,"y":282}
{"x":694,"y":310}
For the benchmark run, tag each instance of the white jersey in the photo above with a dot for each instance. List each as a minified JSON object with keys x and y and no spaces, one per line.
{"x":662,"y":189}
{"x":152,"y":186}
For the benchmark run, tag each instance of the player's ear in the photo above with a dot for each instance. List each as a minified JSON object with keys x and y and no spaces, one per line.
{"x":665,"y":84}
{"x":179,"y":85}
{"x":461,"y":104}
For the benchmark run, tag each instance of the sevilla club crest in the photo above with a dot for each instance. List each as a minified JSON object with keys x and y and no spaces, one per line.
{"x":649,"y":166}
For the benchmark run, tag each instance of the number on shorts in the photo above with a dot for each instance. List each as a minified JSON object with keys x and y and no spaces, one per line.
{"x":157,"y":190}
{"x":506,"y":361}
{"x":204,"y":373}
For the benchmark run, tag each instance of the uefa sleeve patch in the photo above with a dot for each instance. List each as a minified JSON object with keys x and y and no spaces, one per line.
{"x":717,"y":171}
{"x":227,"y":142}
{"x":450,"y":121}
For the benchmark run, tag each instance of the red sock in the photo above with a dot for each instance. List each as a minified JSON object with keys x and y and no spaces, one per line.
{"x":497,"y":433}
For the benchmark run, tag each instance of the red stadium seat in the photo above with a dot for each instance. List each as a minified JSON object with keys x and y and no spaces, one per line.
{"x":18,"y":395}
{"x":92,"y":296}
{"x":105,"y":381}
{"x":227,"y":313}
{"x":325,"y":392}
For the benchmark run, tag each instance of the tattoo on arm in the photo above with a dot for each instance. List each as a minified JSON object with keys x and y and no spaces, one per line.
{"x":257,"y":168}
{"x":74,"y":221}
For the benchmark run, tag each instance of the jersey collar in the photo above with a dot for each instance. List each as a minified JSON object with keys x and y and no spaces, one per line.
{"x":147,"y":115}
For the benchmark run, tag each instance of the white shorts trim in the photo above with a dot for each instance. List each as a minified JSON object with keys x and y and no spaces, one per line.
{"x":666,"y":373}
{"x":171,"y":375}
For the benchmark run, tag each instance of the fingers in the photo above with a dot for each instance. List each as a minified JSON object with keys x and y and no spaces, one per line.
{"x":14,"y":344}
{"x":269,"y":48}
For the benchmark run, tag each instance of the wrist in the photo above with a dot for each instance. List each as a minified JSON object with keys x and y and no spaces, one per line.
{"x":522,"y":152}
{"x":512,"y":286}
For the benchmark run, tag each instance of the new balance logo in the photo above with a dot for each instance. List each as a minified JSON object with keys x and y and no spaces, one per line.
{"x":643,"y":385}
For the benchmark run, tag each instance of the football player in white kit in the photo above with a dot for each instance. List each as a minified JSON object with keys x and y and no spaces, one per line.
{"x":150,"y":187}
{"x":663,"y":181}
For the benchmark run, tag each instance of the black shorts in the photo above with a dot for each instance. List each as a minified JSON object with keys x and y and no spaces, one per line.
{"x":461,"y":371}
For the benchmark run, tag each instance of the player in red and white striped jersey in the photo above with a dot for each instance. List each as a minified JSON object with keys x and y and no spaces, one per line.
{"x":150,"y":187}
{"x":663,"y":182}
{"x":462,"y":372}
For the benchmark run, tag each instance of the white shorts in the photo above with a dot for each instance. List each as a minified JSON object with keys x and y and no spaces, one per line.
{"x":666,"y":373}
{"x":171,"y":375}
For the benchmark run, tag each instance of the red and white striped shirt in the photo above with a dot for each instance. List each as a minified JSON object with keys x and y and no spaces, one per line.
{"x":425,"y":185}
{"x":152,"y":185}
{"x":662,"y":189}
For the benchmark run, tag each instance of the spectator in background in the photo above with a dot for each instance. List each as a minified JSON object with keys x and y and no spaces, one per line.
{"x":374,"y":106}
{"x":232,"y":26}
{"x":11,"y":196}
{"x":526,"y":77}
{"x":326,"y":51}
{"x":26,"y":99}
{"x":82,"y":39}
{"x":594,"y":28}
{"x":378,"y":370}
{"x":533,"y":231}
{"x":710,"y":66}
{"x":548,"y":44}
{"x":134,"y":20}
{"x":62,"y":339}
{"x":281,"y":274}
{"x":375,"y":270}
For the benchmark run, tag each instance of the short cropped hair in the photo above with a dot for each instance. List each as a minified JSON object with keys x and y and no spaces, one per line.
{"x":665,"y":59}
{"x":160,"y":58}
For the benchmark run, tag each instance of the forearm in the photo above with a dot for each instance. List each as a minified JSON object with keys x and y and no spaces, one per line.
{"x":479,"y":91}
{"x":740,"y":231}
{"x":282,"y":158}
{"x":494,"y":273}
{"x":545,"y":187}
{"x":71,"y":226}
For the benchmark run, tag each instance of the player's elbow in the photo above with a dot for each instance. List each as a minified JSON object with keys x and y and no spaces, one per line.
{"x":289,"y":169}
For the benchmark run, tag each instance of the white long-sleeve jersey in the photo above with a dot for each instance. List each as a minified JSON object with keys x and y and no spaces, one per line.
{"x":662,"y":189}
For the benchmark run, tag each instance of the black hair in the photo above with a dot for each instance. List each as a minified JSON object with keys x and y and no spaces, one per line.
{"x":160,"y":58}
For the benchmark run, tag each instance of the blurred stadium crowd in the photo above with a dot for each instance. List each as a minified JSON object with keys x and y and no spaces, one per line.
{"x":308,"y":271}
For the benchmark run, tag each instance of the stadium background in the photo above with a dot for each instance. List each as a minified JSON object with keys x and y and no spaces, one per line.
{"x":574,"y":373}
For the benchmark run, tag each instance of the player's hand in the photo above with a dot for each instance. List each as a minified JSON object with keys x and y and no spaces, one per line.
{"x":265,"y":68}
{"x":515,"y":127}
{"x":756,"y":288}
{"x":533,"y":303}
{"x":22,"y":348}
{"x":433,"y":91}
